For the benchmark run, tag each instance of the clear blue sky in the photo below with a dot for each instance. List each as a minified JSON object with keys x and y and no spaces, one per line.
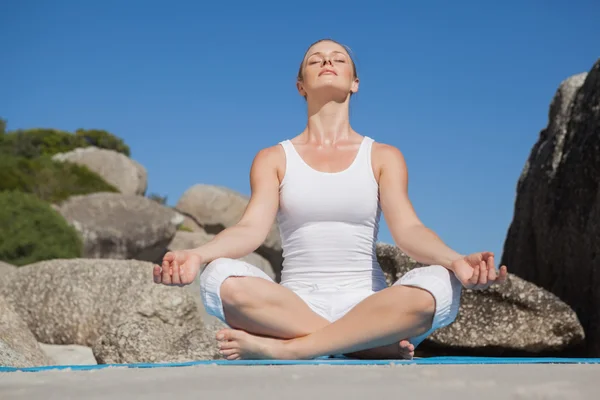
{"x":197,"y":88}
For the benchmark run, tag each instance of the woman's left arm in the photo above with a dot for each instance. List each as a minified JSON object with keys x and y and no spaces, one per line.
{"x":412,"y":236}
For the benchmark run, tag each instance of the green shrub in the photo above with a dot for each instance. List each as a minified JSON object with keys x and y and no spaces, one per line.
{"x":37,"y":142}
{"x":31,"y":143}
{"x":31,"y":231}
{"x":49,"y":180}
{"x":104,"y":140}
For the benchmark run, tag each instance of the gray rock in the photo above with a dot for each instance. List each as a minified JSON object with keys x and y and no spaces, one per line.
{"x":552,"y":240}
{"x":127,"y":175}
{"x":214,"y":208}
{"x":516,"y":317}
{"x":71,"y":301}
{"x":155,"y":323}
{"x":69,"y":354}
{"x":117,"y":226}
{"x":6,"y":269}
{"x":18,"y":346}
{"x":112,"y":306}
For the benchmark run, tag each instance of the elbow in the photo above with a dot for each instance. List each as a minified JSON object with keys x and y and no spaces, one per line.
{"x":255,"y":235}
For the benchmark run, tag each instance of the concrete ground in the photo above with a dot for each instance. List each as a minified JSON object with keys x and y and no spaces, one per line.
{"x":309,"y":382}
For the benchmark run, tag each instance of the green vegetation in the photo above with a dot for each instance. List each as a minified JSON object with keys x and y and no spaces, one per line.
{"x":104,"y":140}
{"x":31,"y":143}
{"x":32,"y":231}
{"x":30,"y":180}
{"x":49,"y":180}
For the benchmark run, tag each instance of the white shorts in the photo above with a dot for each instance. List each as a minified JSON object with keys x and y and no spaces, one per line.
{"x":334,"y":301}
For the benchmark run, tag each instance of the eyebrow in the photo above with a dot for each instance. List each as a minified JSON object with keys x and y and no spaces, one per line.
{"x":318,"y":52}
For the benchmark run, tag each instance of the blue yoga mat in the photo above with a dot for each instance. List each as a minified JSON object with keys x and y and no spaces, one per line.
{"x":448,"y":360}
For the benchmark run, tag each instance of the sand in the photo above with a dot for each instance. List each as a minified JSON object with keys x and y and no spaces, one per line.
{"x":449,"y":382}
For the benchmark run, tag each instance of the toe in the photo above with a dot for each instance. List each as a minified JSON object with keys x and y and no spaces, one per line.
{"x":224,"y":334}
{"x":404,"y":344}
{"x":228,"y":334}
{"x":229,"y":352}
{"x":232,"y":344}
{"x":234,"y":356}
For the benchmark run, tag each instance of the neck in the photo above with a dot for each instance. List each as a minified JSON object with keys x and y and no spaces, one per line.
{"x":328,"y":122}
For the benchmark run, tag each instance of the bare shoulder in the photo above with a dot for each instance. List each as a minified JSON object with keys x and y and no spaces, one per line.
{"x":269,"y":159}
{"x":387,"y":159}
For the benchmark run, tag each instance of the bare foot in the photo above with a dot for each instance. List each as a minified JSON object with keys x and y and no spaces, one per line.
{"x":240,"y":345}
{"x":395,"y":351}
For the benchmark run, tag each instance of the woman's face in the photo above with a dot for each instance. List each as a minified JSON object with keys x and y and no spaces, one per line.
{"x":327,"y":66}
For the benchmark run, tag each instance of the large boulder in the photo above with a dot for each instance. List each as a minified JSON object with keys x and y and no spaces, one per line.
{"x":18,"y":346}
{"x":5,"y":269}
{"x":516,"y":317}
{"x":165,"y":327}
{"x":214,"y":208}
{"x":118,"y":226}
{"x":112,"y":306}
{"x":552,"y":240}
{"x":127,"y":175}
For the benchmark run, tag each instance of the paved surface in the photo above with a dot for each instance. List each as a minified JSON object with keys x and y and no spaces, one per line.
{"x":448,"y":382}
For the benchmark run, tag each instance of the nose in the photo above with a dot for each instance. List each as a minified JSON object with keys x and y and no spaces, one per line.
{"x":325,"y":62}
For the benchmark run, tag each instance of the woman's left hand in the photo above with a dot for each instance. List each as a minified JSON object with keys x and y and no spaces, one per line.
{"x":477,"y":271}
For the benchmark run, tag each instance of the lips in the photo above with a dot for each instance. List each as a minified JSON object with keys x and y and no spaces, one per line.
{"x":328,"y":71}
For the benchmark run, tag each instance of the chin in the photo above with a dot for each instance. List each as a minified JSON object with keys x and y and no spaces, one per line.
{"x":331,"y":90}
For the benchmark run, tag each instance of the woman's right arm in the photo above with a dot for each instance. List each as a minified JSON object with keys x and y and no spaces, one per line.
{"x":251,"y":231}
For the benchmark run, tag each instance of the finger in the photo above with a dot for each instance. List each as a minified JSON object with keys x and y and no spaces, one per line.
{"x":475,"y":276}
{"x":503,"y":274}
{"x":491,"y":270}
{"x":175,"y":273}
{"x":183,"y":273}
{"x":156,"y":274}
{"x":169,"y":256}
{"x":483,"y":273}
{"x":166,"y":272}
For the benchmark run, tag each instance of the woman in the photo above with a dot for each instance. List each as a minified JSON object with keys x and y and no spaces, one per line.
{"x":327,"y":188}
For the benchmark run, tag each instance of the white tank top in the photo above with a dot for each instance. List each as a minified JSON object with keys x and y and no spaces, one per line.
{"x":329,"y":223}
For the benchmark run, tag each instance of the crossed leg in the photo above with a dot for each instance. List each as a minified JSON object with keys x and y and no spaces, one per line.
{"x":248,"y":300}
{"x":379,"y":321}
{"x":256,"y":307}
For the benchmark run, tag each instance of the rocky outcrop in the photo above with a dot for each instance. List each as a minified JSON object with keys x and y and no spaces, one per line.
{"x":18,"y":346}
{"x":127,"y":175}
{"x":154,"y":323}
{"x":516,"y":317}
{"x":6,"y":269}
{"x":112,"y":306}
{"x":214,"y":208}
{"x":553,"y":238}
{"x":117,"y":226}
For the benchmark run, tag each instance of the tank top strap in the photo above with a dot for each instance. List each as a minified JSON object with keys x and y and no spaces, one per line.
{"x":364,"y":153}
{"x":291,"y":156}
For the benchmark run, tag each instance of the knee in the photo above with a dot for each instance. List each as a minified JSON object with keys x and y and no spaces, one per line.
{"x":215,"y":273}
{"x":234,"y":293}
{"x":422,"y":303}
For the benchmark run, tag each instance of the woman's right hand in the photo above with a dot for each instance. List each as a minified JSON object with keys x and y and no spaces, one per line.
{"x":178,"y":268}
